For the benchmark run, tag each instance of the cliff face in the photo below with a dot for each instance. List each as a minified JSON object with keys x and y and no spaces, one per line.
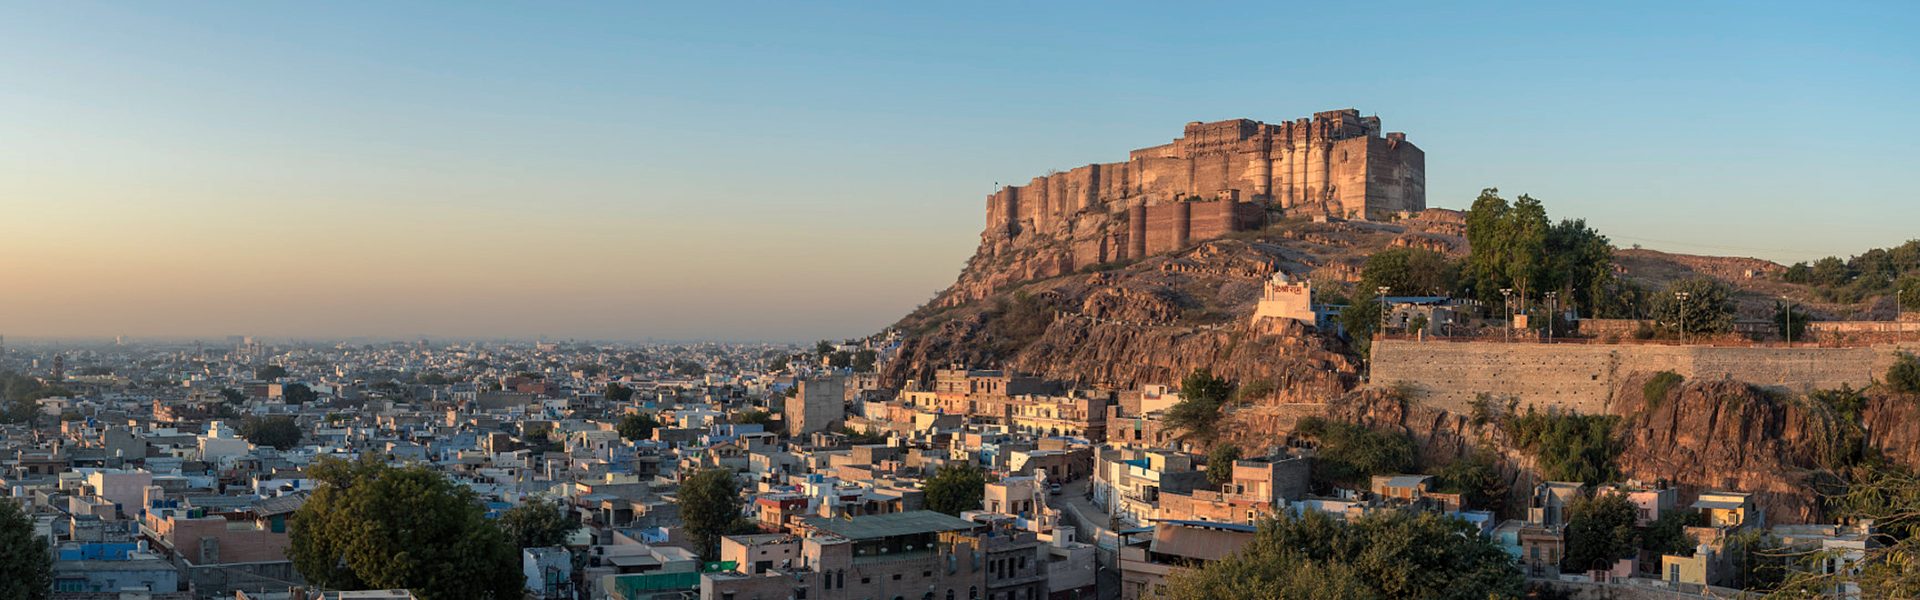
{"x":1145,"y":323}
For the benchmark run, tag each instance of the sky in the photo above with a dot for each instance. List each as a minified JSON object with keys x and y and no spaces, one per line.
{"x":794,"y":171}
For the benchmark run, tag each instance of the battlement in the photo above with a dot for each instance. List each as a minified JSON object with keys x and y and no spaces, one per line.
{"x":1335,"y":163}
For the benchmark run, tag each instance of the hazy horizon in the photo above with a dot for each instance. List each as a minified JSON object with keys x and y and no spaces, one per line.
{"x":789,"y":173}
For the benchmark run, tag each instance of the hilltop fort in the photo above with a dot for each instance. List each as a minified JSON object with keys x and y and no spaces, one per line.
{"x":1215,"y":179}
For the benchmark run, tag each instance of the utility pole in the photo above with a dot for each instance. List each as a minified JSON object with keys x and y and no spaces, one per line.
{"x":1786,"y":309}
{"x":1682,"y":297}
{"x":1506,"y":299}
{"x":1553,"y":312}
{"x":1383,"y":308}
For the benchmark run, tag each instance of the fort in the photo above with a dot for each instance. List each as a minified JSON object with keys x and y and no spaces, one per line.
{"x":1337,"y":163}
{"x":1584,"y":377}
{"x":1215,"y":179}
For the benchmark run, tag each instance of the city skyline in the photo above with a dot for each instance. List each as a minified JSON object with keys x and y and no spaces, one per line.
{"x":794,"y":173}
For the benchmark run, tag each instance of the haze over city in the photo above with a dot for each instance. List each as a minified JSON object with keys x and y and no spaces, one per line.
{"x":789,"y":172}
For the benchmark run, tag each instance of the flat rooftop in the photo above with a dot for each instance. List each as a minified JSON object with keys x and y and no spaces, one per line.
{"x":889,"y":525}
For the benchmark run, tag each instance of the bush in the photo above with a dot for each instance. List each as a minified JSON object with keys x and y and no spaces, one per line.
{"x":1349,"y":453}
{"x":1568,"y":447}
{"x":1904,"y":375}
{"x":1662,"y":384}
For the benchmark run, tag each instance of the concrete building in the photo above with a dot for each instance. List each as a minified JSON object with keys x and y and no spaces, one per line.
{"x":820,"y":404}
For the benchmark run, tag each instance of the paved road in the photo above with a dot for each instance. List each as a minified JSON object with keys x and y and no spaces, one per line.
{"x":1091,"y":525}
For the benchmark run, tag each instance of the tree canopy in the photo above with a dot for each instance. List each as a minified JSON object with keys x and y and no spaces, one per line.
{"x":539,"y":523}
{"x":270,"y":372}
{"x":298,"y":393}
{"x":637,"y":426}
{"x":618,"y":393}
{"x":1349,"y":453}
{"x":1386,"y":554}
{"x":1410,"y":272}
{"x":1220,"y":463}
{"x":1515,"y":246}
{"x":1599,"y":533}
{"x":1567,"y":447}
{"x":1706,"y":307}
{"x":1202,"y":397}
{"x":710,"y":508}
{"x":26,"y":568}
{"x":279,"y":431}
{"x":371,"y":525}
{"x":954,"y":489}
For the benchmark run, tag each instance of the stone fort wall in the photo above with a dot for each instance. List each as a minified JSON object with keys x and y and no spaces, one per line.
{"x":1337,"y":162}
{"x":1584,"y":377}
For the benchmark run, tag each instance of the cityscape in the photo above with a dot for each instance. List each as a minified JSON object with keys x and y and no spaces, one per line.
{"x":1314,"y":346}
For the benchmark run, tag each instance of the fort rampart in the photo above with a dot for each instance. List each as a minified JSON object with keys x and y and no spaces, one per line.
{"x":1584,"y":377}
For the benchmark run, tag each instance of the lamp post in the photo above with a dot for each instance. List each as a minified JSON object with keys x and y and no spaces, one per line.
{"x":1553,"y":312}
{"x":1506,"y":299}
{"x":1383,"y":308}
{"x":1682,"y":297}
{"x":1786,"y":317}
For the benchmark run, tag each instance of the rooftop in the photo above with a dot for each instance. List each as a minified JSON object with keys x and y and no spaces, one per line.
{"x":891,"y":524}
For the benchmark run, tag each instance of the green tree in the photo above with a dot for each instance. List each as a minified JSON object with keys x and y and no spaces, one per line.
{"x":1349,"y":453}
{"x":1360,"y":320}
{"x":1202,"y":396}
{"x":1410,"y":272}
{"x":1886,"y":495}
{"x":618,"y":393}
{"x":1220,"y":463}
{"x":539,"y":523}
{"x":1668,"y":534}
{"x":232,"y":396}
{"x":1383,"y":555}
{"x":840,"y":359}
{"x":26,"y":568}
{"x":1567,"y":447}
{"x":637,"y":426}
{"x":754,"y":417}
{"x":1599,"y":533}
{"x":1476,"y":477}
{"x":1904,"y":375}
{"x":863,"y":361}
{"x":823,"y":347}
{"x":279,"y":432}
{"x":270,"y":372}
{"x":710,"y":508}
{"x":1907,"y":292}
{"x":1707,"y":306}
{"x":956,"y":488}
{"x":370,"y":525}
{"x":1789,"y":322}
{"x":298,"y":393}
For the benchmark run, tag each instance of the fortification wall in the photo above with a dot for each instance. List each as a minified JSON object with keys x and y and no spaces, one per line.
{"x":1337,"y":162}
{"x":1584,"y":377}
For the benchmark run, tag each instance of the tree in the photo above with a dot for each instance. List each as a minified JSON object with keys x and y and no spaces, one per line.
{"x":710,"y":508}
{"x":618,"y":393}
{"x":1410,"y":272}
{"x":1886,"y":495}
{"x":754,"y":417}
{"x":1202,"y":396}
{"x":956,"y":488}
{"x":539,"y":523}
{"x":1907,"y":292}
{"x":1476,"y":477}
{"x":1706,"y":308}
{"x":1904,"y":375}
{"x":840,"y":359}
{"x":1599,"y":533}
{"x":1567,"y":447}
{"x":637,"y":426}
{"x":1668,"y":534}
{"x":26,"y":568}
{"x":370,"y":525}
{"x":1790,"y":323}
{"x":270,"y":372}
{"x":1386,"y":554}
{"x":1349,"y":453}
{"x":298,"y":393}
{"x":823,"y":347}
{"x":279,"y":432}
{"x":232,"y":396}
{"x":863,"y":361}
{"x":1220,"y":463}
{"x":1360,"y":319}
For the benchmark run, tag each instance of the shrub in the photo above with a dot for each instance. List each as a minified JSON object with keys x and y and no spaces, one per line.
{"x":1904,"y":375}
{"x":1662,"y":384}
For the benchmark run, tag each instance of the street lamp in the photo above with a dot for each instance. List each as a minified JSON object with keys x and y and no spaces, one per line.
{"x":1553,"y":310}
{"x":1786,"y":317}
{"x":1383,"y":308}
{"x":1682,"y":297}
{"x":1506,"y":299}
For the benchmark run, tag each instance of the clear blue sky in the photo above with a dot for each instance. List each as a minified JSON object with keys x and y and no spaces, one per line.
{"x":795,"y":171}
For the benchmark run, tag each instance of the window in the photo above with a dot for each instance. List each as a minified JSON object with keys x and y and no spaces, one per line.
{"x":726,"y":596}
{"x":896,"y":576}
